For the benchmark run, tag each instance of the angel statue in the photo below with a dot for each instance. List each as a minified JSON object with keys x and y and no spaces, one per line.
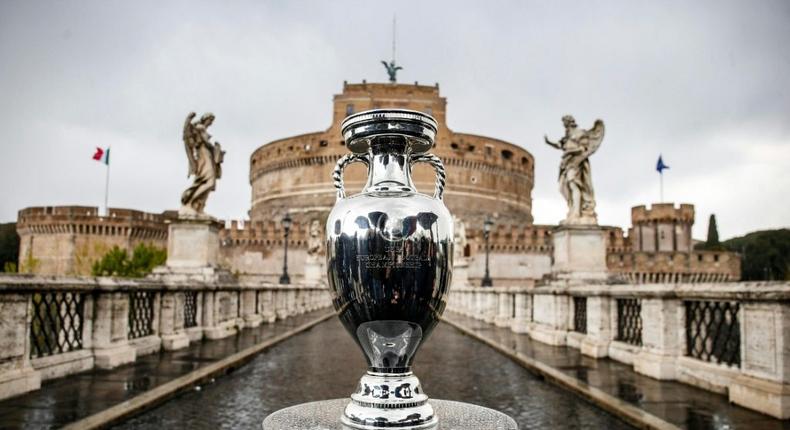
{"x":392,"y":70}
{"x":205,"y":163}
{"x":575,"y":175}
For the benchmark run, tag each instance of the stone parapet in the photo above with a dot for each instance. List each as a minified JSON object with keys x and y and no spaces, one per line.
{"x":731,"y":338}
{"x":57,"y":326}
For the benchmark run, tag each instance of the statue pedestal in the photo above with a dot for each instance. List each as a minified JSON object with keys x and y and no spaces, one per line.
{"x":325,"y":415}
{"x":313,"y":270}
{"x":579,"y":253}
{"x":193,"y":242}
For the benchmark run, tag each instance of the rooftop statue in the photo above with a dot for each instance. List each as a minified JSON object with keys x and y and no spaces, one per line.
{"x":575,"y":176}
{"x":392,"y":70}
{"x":205,"y":163}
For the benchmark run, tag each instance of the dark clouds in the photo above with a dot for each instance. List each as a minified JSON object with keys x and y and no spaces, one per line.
{"x":704,"y":83}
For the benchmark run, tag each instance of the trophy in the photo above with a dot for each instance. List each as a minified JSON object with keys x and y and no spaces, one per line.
{"x":389,"y":261}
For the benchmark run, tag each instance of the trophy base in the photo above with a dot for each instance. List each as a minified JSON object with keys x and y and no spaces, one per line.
{"x":389,"y":400}
{"x":324,"y":415}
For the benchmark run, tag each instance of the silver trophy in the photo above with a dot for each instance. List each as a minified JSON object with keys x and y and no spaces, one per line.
{"x":389,"y":261}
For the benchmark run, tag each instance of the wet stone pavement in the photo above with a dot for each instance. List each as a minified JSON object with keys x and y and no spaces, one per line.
{"x":680,"y":404}
{"x":324,"y":363}
{"x":64,"y":400}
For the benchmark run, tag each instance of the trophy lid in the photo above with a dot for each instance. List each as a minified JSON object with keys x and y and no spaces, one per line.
{"x":420,"y":128}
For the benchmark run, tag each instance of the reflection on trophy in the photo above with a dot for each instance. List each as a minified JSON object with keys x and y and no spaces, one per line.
{"x":389,"y":262}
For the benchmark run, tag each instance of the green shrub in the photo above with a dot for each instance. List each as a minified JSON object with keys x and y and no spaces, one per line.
{"x":117,"y":262}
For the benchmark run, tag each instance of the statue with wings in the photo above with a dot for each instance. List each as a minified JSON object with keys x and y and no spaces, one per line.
{"x":392,"y":70}
{"x":575,"y":174}
{"x":205,"y":163}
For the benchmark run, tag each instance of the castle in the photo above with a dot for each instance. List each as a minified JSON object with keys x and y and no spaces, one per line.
{"x":485,"y":177}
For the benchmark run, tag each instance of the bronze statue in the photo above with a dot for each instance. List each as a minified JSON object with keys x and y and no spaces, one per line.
{"x":205,"y":163}
{"x":392,"y":70}
{"x":575,"y":174}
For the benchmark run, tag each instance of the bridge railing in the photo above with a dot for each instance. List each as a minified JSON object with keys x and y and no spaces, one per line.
{"x":731,"y":338}
{"x":52,"y":327}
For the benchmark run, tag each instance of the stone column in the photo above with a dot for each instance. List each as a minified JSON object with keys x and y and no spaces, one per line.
{"x":267,"y":304}
{"x":171,"y":321}
{"x":281,"y":303}
{"x":521,"y":321}
{"x":219,"y":314}
{"x":290,"y":303}
{"x":765,"y":359}
{"x":599,"y":327}
{"x":504,"y":316}
{"x":662,"y":322}
{"x":111,"y":330}
{"x":17,"y":376}
{"x":490,"y":305}
{"x":550,"y":318}
{"x":251,"y":315}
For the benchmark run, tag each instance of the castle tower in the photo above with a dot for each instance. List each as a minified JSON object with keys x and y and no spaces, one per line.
{"x":662,"y":228}
{"x":484,"y":175}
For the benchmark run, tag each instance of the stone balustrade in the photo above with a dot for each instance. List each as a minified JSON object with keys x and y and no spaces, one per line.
{"x":731,"y":338}
{"x":53,"y":327}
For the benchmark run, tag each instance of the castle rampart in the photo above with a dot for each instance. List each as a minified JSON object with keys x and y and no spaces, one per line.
{"x":66,"y":240}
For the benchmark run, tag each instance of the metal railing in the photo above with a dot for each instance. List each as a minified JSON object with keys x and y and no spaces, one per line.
{"x":580,"y":314}
{"x":190,"y":309}
{"x":629,"y":321}
{"x":56,"y":323}
{"x":713,"y":332}
{"x":141,"y":314}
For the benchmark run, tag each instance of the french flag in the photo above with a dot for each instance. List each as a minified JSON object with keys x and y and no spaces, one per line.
{"x":102,"y":155}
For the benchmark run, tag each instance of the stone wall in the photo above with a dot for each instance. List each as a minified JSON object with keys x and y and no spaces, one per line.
{"x":67,"y":240}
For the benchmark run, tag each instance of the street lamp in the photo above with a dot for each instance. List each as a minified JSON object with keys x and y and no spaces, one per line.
{"x":486,"y":282}
{"x":285,"y":279}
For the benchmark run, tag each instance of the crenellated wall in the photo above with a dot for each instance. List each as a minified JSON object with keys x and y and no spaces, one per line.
{"x":67,"y":240}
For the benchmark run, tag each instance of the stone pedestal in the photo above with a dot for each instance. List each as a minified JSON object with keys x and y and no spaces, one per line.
{"x":765,"y":355}
{"x":325,"y":415}
{"x":504,"y":316}
{"x":171,"y":323}
{"x":17,"y":376}
{"x":579,"y":253}
{"x":193,"y":243}
{"x":661,"y":343}
{"x":551,"y":316}
{"x":314,"y":272}
{"x":523,"y":307}
{"x":599,"y":327}
{"x":110,"y":331}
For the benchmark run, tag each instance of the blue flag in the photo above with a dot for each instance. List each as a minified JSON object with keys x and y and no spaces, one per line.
{"x":660,"y":166}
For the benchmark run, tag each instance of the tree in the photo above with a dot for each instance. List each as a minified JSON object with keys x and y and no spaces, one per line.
{"x":765,"y":255}
{"x":9,"y":246}
{"x":713,"y":232}
{"x":116,"y":262}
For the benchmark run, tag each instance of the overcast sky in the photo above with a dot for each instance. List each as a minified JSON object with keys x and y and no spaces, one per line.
{"x":705,"y":83}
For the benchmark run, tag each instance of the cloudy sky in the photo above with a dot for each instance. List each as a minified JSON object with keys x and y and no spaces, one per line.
{"x":705,"y":83}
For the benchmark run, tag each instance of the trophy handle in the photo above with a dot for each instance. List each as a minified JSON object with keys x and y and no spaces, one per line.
{"x":337,"y":174}
{"x":441,"y":176}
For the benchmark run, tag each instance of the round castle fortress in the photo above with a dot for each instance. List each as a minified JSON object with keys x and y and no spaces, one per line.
{"x":484,"y":175}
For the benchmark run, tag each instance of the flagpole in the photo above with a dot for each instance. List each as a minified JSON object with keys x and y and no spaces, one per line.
{"x":661,"y":174}
{"x":107,"y":186}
